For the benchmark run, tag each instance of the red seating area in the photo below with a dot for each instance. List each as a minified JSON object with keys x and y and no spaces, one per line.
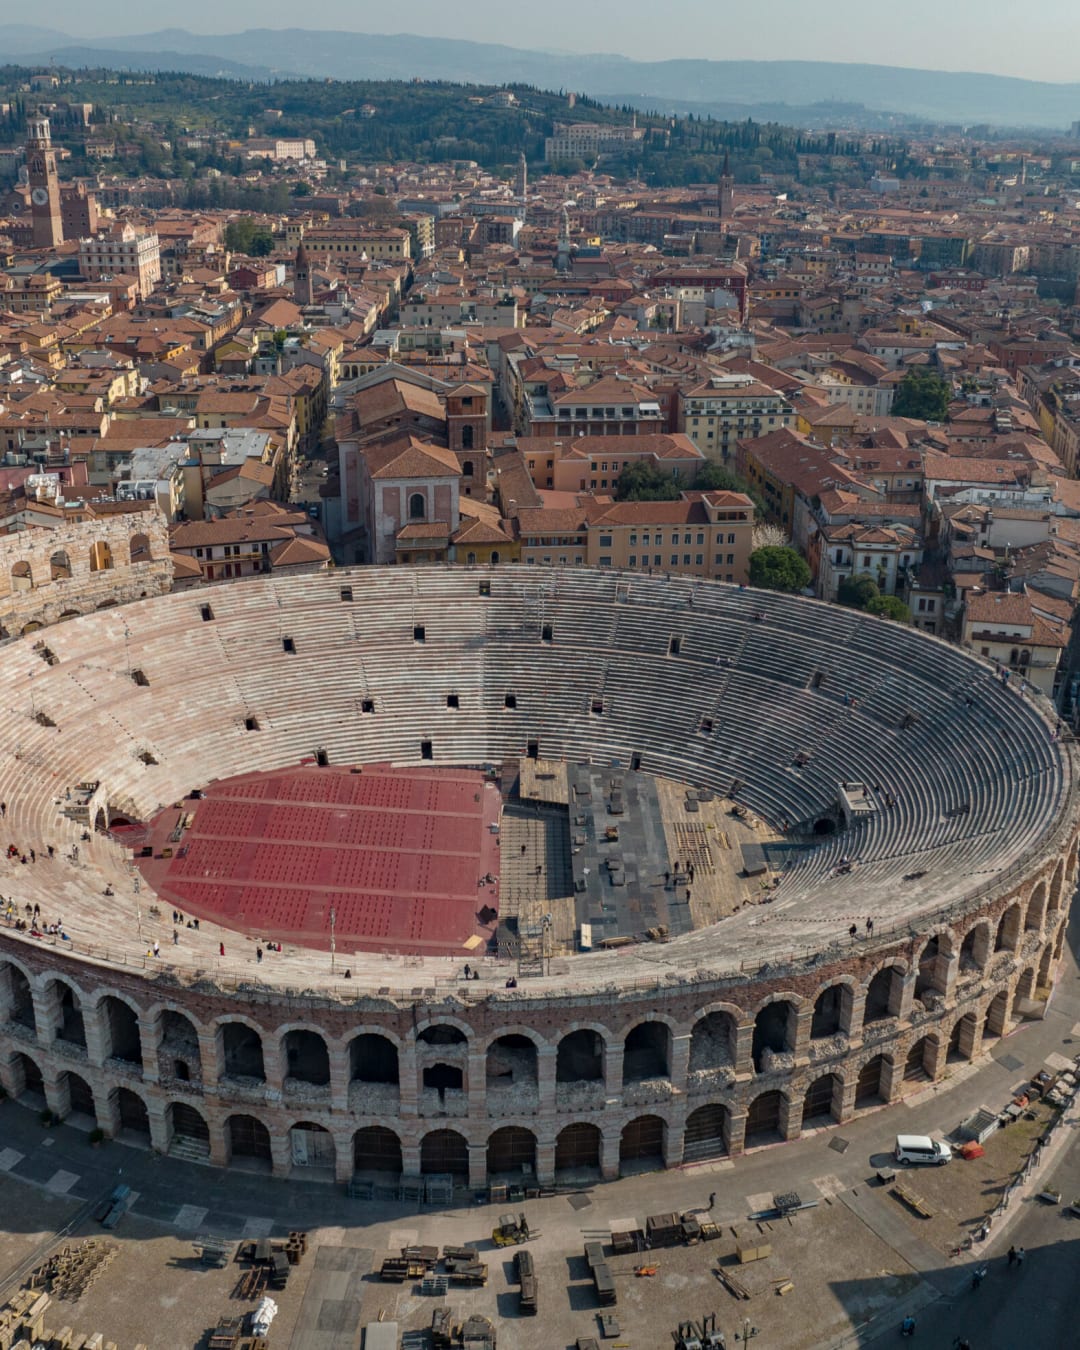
{"x":398,"y":854}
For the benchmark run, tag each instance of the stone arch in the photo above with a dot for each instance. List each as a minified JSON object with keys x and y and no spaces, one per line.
{"x":311,"y":1145}
{"x":708,"y":1133}
{"x":1025,"y":988}
{"x":975,"y":948}
{"x":833,"y":1009}
{"x":66,"y":1003}
{"x":712,"y":1041}
{"x":580,"y":1056}
{"x":578,"y":1150}
{"x":22,"y":577}
{"x":27,"y":1078}
{"x":60,"y":566}
{"x":187,"y":1131}
{"x":129,"y":1110}
{"x":1046,"y":966}
{"x":120,"y":1028}
{"x":512,"y":1057}
{"x":79,"y":1095}
{"x":445,"y":1151}
{"x":1007,"y":938}
{"x":962,"y":1039}
{"x":996,"y":1017}
{"x":647,"y":1051}
{"x":764,"y":1119}
{"x":69,"y":614}
{"x":373,"y":1058}
{"x":240,"y":1050}
{"x":377,"y":1149}
{"x":101,"y":558}
{"x":248,"y":1143}
{"x":933,"y":964}
{"x":920,"y":1063}
{"x":440,"y":1032}
{"x":774,"y":1032}
{"x":642,"y":1141}
{"x":1036,"y":909}
{"x":140,"y":550}
{"x":179,"y":1056}
{"x":16,"y":997}
{"x":1057,"y":884}
{"x":870,"y":1085}
{"x":511,"y":1151}
{"x":305,"y":1057}
{"x":884,"y":993}
{"x":824,"y":1100}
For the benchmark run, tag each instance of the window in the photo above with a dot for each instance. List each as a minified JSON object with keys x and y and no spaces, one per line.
{"x":417,"y":506}
{"x":453,"y":701}
{"x":686,"y":559}
{"x":251,"y":724}
{"x":605,"y":541}
{"x":426,"y":750}
{"x":674,"y":646}
{"x":699,"y":559}
{"x":546,"y":633}
{"x":367,"y":705}
{"x":288,"y":645}
{"x":674,"y":560}
{"x":922,"y":606}
{"x":633,"y":540}
{"x":632,"y":560}
{"x":604,"y":560}
{"x":419,"y":633}
{"x":467,"y":465}
{"x":657,"y":560}
{"x":510,"y":701}
{"x":730,"y":559}
{"x":700,"y":538}
{"x":206,"y":612}
{"x":731,"y":538}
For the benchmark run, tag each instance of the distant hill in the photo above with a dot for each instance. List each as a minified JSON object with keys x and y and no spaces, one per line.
{"x":794,"y":87}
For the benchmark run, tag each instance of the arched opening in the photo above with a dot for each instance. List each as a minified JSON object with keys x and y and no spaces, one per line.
{"x":577,"y":1152}
{"x":444,"y":1078}
{"x":774,"y":1035}
{"x":962,"y":1039}
{"x":417,"y":506}
{"x":511,"y":1066}
{"x":494,"y":556}
{"x":933,"y":969}
{"x":763,"y":1119}
{"x":373,"y":1059}
{"x":442,"y":1054}
{"x":249,"y":1143}
{"x":511,"y":1155}
{"x":306,"y":1058}
{"x":28,"y":1082}
{"x":377,"y":1149}
{"x":140,"y":549}
{"x":708,"y":1133}
{"x":311,"y":1147}
{"x":641,"y":1144}
{"x":69,"y":1017}
{"x":1025,"y":989}
{"x":101,"y":559}
{"x":466,"y":465}
{"x":32,"y":627}
{"x":996,"y":1021}
{"x":470,"y":558}
{"x":824,"y":1101}
{"x":580,"y":1057}
{"x":647,"y":1052}
{"x":16,"y":1000}
{"x":441,"y":1035}
{"x":1008,"y":930}
{"x":870,"y":1086}
{"x":824,"y":825}
{"x":467,"y":444}
{"x":1036,"y":906}
{"x":1056,"y":886}
{"x":241,"y":1052}
{"x":975,"y":948}
{"x":445,"y":1151}
{"x":60,"y":566}
{"x":883,"y":995}
{"x":188,"y":1132}
{"x":22,"y":578}
{"x":1046,"y":965}
{"x":919,"y":1063}
{"x":129,"y":1110}
{"x":832,"y":1010}
{"x":68,"y":614}
{"x":120,"y":1023}
{"x":179,"y":1058}
{"x":82,"y":1109}
{"x":712,"y":1042}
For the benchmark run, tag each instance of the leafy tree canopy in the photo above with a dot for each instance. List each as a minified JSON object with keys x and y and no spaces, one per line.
{"x":922,"y":393}
{"x":247,"y":236}
{"x":857,"y":591}
{"x":779,"y":569}
{"x":644,"y":482}
{"x":889,"y":607}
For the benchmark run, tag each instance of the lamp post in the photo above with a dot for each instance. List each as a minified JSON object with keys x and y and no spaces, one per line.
{"x":333,"y":944}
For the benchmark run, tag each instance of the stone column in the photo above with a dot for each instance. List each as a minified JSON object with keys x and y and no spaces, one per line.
{"x":674,"y":1136}
{"x":804,"y":1018}
{"x":907,"y":996}
{"x":855,"y":1010}
{"x":476,"y":1086}
{"x":892,"y":1078}
{"x":219,"y":1142}
{"x":408,"y":1085}
{"x":339,"y":1080}
{"x":610,"y":1137}
{"x":280,"y":1154}
{"x":274,"y":1064}
{"x":680,"y":1062}
{"x":477,"y":1166}
{"x":545,"y":1082}
{"x":737,"y":1131}
{"x":56,"y":1098}
{"x":159,"y":1125}
{"x":209,"y":1061}
{"x":93,"y":1025}
{"x":44,"y":1015}
{"x":343,"y":1156}
{"x":613,"y":1071}
{"x":149,"y":1034}
{"x":790,"y":1116}
{"x":744,"y":1049}
{"x":952,"y":969}
{"x":545,"y":1161}
{"x":410,"y":1159}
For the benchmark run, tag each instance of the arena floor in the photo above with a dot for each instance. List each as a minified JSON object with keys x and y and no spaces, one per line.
{"x":399,"y":855}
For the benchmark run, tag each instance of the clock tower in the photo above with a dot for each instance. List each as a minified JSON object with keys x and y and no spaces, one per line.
{"x":47,"y":229}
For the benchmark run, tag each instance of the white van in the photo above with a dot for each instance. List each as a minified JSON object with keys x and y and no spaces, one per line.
{"x":920,"y":1148}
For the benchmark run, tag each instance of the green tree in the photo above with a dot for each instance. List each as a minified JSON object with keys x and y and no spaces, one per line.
{"x":643,"y":482}
{"x":889,"y":607}
{"x":856,"y":592}
{"x":922,"y":393}
{"x":779,"y":569}
{"x":715,"y":477}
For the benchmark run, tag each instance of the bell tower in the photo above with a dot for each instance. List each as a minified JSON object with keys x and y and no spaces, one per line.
{"x":47,"y":229}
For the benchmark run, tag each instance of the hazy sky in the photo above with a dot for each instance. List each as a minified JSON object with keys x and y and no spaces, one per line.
{"x":1039,"y":39}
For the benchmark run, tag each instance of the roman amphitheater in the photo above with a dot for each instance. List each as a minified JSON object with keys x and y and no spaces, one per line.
{"x":395,"y":772}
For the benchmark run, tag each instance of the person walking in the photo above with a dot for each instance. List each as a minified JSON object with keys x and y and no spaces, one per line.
{"x":1012,"y":1256}
{"x":258,"y":954}
{"x":157,"y":948}
{"x":712,"y":1200}
{"x":175,"y":938}
{"x":1020,"y":1254}
{"x":221,"y":949}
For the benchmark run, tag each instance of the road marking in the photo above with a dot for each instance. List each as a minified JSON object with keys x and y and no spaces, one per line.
{"x":190,"y":1216}
{"x":10,"y":1158}
{"x":258,"y":1227}
{"x":756,"y":1203}
{"x":828,"y":1185}
{"x":61,"y":1182}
